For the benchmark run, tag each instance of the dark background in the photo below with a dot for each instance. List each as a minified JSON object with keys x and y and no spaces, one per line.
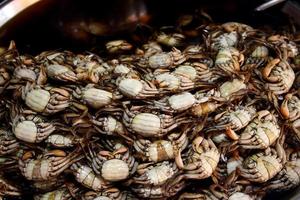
{"x":56,"y":24}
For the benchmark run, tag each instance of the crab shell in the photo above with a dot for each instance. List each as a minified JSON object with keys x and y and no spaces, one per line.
{"x":182,"y":101}
{"x":97,"y":98}
{"x":114,"y":170}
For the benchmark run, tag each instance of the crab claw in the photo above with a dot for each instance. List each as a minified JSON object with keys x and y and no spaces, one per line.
{"x":267,"y":70}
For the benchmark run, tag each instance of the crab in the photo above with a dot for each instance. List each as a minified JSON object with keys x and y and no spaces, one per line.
{"x":137,"y":89}
{"x":229,"y":61}
{"x":163,"y":60}
{"x":279,"y":76}
{"x":175,"y":103}
{"x":206,"y":102}
{"x":289,"y":177}
{"x":61,"y":73}
{"x":155,"y":174}
{"x":172,"y":40}
{"x":109,"y":125}
{"x":161,"y":150}
{"x":200,"y":161}
{"x":31,"y":128}
{"x":172,"y":82}
{"x":113,"y":166}
{"x":8,"y":143}
{"x":263,"y":166}
{"x":261,"y":133}
{"x":224,"y":40}
{"x":151,"y":48}
{"x":148,"y":124}
{"x":167,"y":190}
{"x":62,"y":140}
{"x":258,"y":57}
{"x":46,"y":166}
{"x":118,"y":46}
{"x":46,"y":100}
{"x":92,"y":69}
{"x":198,"y":71}
{"x":92,"y":96}
{"x":233,"y":120}
{"x":87,"y":177}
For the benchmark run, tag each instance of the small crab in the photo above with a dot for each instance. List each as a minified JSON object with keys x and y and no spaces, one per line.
{"x":151,"y":48}
{"x":290,"y":107}
{"x":233,"y":120}
{"x":262,"y":166}
{"x":224,"y":40}
{"x":172,"y":40}
{"x":289,"y":177}
{"x":148,"y":124}
{"x":200,"y":161}
{"x":197,"y":71}
{"x":8,"y":143}
{"x":175,"y":103}
{"x":92,"y":96}
{"x":61,"y":73}
{"x":91,"y":68}
{"x":167,"y":190}
{"x":261,"y":133}
{"x":279,"y":76}
{"x":229,"y":60}
{"x":173,"y":82}
{"x":258,"y":57}
{"x":155,"y":174}
{"x":238,"y":27}
{"x":161,"y":150}
{"x":205,"y":102}
{"x":62,"y":140}
{"x":87,"y":177}
{"x":118,"y":46}
{"x":163,"y":60}
{"x":31,"y":128}
{"x":113,"y":166}
{"x":47,"y":100}
{"x":137,"y":89}
{"x":47,"y":165}
{"x":109,"y":125}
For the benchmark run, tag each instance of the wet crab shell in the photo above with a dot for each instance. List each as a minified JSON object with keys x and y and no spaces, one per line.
{"x":55,"y":71}
{"x":230,"y":87}
{"x":160,"y":60}
{"x":225,"y":40}
{"x":186,"y":70}
{"x":181,"y":102}
{"x":24,"y":74}
{"x":26,"y":131}
{"x":158,"y":175}
{"x":97,"y":98}
{"x":114,"y":170}
{"x":130,"y":87}
{"x":37,"y":99}
{"x":146,"y":124}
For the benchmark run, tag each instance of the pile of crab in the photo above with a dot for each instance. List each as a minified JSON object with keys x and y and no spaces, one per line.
{"x":209,"y":114}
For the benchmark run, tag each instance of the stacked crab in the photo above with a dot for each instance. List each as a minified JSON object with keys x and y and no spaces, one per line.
{"x":207,"y":113}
